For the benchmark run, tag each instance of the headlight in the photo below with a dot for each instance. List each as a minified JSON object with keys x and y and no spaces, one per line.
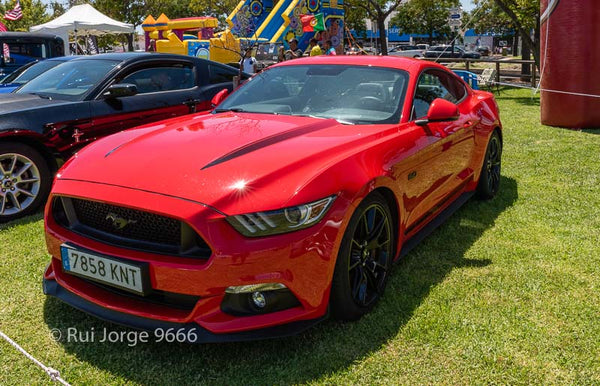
{"x":282,"y":220}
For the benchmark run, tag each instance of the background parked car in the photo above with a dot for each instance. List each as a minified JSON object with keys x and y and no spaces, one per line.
{"x":26,"y":47}
{"x":29,"y":71}
{"x":45,"y":121}
{"x":484,"y":50}
{"x":407,"y":51}
{"x":446,"y":52}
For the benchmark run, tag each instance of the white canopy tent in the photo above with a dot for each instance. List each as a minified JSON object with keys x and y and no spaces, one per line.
{"x":82,"y":20}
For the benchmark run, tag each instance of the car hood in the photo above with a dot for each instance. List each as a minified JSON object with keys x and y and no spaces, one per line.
{"x":14,"y":103}
{"x":225,"y":160}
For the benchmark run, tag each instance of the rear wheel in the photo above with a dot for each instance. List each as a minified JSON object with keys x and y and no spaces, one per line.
{"x":489,"y":180}
{"x":364,"y":260}
{"x":24,"y":180}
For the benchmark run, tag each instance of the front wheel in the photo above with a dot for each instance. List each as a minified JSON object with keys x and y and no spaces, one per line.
{"x":364,"y":260}
{"x":24,"y":181}
{"x":489,"y":180}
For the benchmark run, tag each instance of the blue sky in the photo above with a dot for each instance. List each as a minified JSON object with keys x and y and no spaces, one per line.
{"x":467,"y":4}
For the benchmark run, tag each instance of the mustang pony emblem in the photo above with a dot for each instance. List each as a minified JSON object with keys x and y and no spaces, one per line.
{"x":119,"y":222}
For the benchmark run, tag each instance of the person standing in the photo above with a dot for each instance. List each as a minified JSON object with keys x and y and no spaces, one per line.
{"x":315,"y":50}
{"x":280,"y":54}
{"x":249,"y":64}
{"x":294,"y":52}
{"x":329,"y":50}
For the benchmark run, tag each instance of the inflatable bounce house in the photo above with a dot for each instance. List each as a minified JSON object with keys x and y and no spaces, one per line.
{"x":193,"y":36}
{"x":251,"y":22}
{"x":279,"y":21}
{"x":570,"y":91}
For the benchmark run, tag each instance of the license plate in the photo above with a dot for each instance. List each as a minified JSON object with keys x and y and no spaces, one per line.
{"x":116,"y":273}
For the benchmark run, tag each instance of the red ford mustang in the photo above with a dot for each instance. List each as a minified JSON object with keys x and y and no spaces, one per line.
{"x":289,"y":202}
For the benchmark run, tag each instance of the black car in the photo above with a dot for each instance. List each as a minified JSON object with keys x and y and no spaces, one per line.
{"x":447,"y":52}
{"x":484,"y":50}
{"x":48,"y":119}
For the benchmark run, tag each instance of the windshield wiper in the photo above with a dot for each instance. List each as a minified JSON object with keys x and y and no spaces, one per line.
{"x":234,"y":109}
{"x":343,"y":122}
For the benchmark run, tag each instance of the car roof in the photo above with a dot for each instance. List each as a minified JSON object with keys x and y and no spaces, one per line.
{"x":131,"y":57}
{"x":63,"y":58}
{"x":402,"y":63}
{"x":28,"y":35}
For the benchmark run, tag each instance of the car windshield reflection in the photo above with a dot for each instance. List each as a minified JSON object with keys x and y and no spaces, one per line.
{"x":70,"y":80}
{"x":349,"y":94}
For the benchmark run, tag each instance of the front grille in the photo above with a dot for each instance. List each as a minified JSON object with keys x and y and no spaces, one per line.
{"x":129,"y":228}
{"x":137,"y":225}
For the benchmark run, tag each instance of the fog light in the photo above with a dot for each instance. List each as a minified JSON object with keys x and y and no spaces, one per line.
{"x":259,"y":299}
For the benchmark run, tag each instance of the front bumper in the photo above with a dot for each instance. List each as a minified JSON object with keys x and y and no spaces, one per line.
{"x":303,"y":261}
{"x":199,"y":334}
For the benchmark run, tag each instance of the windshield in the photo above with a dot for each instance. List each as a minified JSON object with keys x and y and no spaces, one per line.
{"x":349,"y":94}
{"x":70,"y":80}
{"x":10,"y":77}
{"x":24,"y":76}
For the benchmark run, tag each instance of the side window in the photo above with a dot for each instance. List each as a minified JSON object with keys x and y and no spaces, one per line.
{"x":156,"y":79}
{"x":432,"y":85}
{"x":220,"y":74}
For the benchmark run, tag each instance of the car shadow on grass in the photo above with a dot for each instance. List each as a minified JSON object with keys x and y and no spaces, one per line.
{"x":22,"y":221}
{"x":325,"y":349}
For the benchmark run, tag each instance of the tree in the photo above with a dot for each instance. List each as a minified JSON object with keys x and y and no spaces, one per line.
{"x":520,"y":15}
{"x":34,"y":13}
{"x":172,"y":8}
{"x":488,"y":17}
{"x":355,"y":20}
{"x":215,"y":8}
{"x":378,"y":11}
{"x":128,"y":11}
{"x":57,"y":9}
{"x":428,"y":17}
{"x":525,"y":15}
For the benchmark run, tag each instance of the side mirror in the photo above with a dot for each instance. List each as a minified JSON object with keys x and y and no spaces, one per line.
{"x":120,"y":90}
{"x":440,"y":111}
{"x":219,"y":97}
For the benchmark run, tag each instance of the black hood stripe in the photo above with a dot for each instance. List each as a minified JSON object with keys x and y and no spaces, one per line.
{"x":268,"y":141}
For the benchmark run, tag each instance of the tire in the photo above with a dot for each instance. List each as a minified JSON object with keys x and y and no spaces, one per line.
{"x":25,"y":181}
{"x":362,"y":267}
{"x":489,"y":179}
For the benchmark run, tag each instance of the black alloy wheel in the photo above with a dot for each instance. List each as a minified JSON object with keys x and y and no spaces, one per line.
{"x":364,"y":260}
{"x":489,"y":180}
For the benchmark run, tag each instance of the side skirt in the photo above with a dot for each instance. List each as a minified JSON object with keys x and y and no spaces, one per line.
{"x":434,"y":223}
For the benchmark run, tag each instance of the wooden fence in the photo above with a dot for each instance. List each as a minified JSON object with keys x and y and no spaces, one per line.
{"x":500,"y":73}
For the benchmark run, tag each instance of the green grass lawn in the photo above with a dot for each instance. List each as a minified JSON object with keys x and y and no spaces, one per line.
{"x":507,"y":291}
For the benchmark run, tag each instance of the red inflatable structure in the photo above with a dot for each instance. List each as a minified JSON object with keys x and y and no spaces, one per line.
{"x":570,"y":63}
